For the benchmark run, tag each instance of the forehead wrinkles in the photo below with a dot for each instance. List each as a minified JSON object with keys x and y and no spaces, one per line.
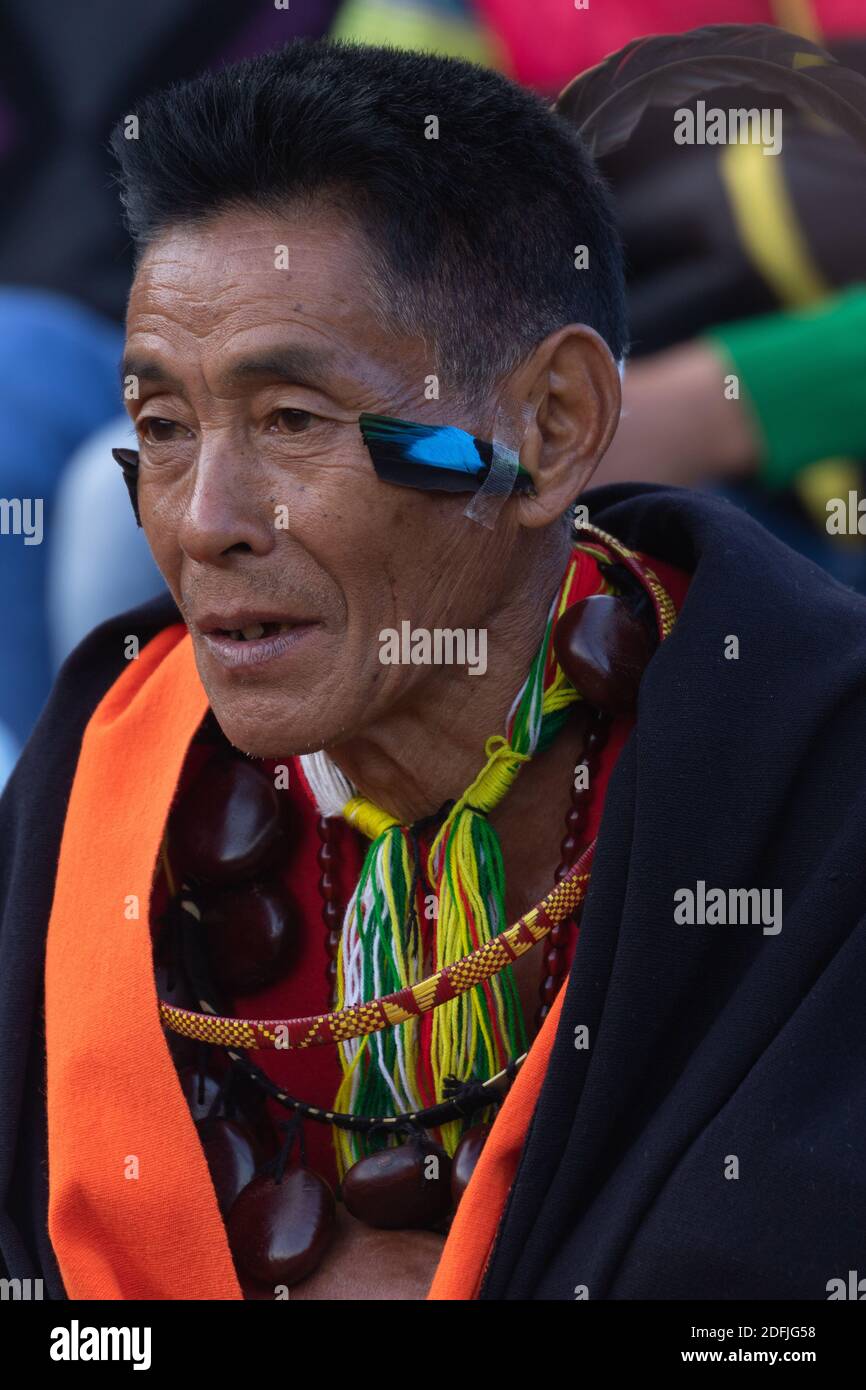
{"x":222,"y":299}
{"x":204,"y":263}
{"x":210,"y":290}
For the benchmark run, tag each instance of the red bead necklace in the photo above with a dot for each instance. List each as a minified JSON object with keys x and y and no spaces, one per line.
{"x":261,"y":1197}
{"x":332,"y":908}
{"x":559,"y":944}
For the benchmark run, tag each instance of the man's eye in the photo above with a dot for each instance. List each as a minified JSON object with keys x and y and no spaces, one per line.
{"x":292,"y":421}
{"x":155,"y":430}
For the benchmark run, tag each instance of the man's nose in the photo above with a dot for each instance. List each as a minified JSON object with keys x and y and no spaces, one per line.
{"x":226,"y":510}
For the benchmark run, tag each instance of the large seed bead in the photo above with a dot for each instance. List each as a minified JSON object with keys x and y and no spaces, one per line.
{"x":604,"y":650}
{"x":252,"y":935}
{"x":227,"y":825}
{"x":279,"y":1232}
{"x":407,"y":1188}
{"x":466,"y":1156}
{"x":231,"y":1156}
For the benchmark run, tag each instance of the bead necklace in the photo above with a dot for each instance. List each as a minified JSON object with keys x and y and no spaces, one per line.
{"x":256,"y":1192}
{"x":332,"y":912}
{"x":560,"y":942}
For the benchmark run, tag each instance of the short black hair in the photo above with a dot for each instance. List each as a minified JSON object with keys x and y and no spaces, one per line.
{"x":472,"y":237}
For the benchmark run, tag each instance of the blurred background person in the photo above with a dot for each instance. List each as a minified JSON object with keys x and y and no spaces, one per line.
{"x":747,"y":294}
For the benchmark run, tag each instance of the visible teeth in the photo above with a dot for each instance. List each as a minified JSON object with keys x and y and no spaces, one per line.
{"x":249,"y":634}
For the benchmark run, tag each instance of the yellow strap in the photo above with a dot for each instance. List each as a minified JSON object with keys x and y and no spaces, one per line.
{"x":798,"y":17}
{"x":768,"y":226}
{"x":771,"y":235}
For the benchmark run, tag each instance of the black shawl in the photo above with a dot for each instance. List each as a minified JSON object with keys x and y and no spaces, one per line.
{"x":707,"y":1044}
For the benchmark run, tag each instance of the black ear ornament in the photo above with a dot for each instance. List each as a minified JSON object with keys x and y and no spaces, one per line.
{"x":128,"y":460}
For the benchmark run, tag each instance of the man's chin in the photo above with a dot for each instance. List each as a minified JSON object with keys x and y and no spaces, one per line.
{"x":271,"y":717}
{"x":260,"y":733}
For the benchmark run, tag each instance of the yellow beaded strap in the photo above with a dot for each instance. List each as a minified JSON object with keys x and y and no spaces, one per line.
{"x":360,"y":1020}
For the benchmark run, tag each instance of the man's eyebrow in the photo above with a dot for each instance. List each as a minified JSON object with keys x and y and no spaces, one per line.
{"x":148,"y":369}
{"x":302,"y":366}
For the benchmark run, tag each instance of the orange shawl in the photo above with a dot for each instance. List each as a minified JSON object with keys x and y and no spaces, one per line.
{"x":132,"y":1212}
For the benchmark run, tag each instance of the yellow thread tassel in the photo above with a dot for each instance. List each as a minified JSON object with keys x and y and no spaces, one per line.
{"x":370,"y":820}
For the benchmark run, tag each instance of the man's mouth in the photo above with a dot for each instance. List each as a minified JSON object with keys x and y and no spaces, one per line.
{"x":254,"y":630}
{"x":246,"y":639}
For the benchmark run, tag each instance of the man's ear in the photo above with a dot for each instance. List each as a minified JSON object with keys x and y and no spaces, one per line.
{"x":573,"y":386}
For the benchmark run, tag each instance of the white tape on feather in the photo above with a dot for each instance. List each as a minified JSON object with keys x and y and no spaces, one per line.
{"x":487,"y":503}
{"x":508,"y":436}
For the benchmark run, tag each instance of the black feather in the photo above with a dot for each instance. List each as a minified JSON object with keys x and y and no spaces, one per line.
{"x":607,"y":102}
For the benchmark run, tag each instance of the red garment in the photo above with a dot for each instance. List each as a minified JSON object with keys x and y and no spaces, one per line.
{"x":550,"y":41}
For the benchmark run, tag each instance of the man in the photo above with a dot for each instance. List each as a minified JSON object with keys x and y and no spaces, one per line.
{"x":331,"y":235}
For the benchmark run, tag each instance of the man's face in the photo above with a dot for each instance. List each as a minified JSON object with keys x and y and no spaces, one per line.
{"x":257,"y":495}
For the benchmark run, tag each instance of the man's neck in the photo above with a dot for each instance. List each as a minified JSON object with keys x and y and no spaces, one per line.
{"x":431,"y":749}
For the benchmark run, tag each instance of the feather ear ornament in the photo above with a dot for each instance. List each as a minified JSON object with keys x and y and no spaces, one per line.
{"x":606,"y":102}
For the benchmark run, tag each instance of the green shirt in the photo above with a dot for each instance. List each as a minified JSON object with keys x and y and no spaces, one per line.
{"x":803,"y":374}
